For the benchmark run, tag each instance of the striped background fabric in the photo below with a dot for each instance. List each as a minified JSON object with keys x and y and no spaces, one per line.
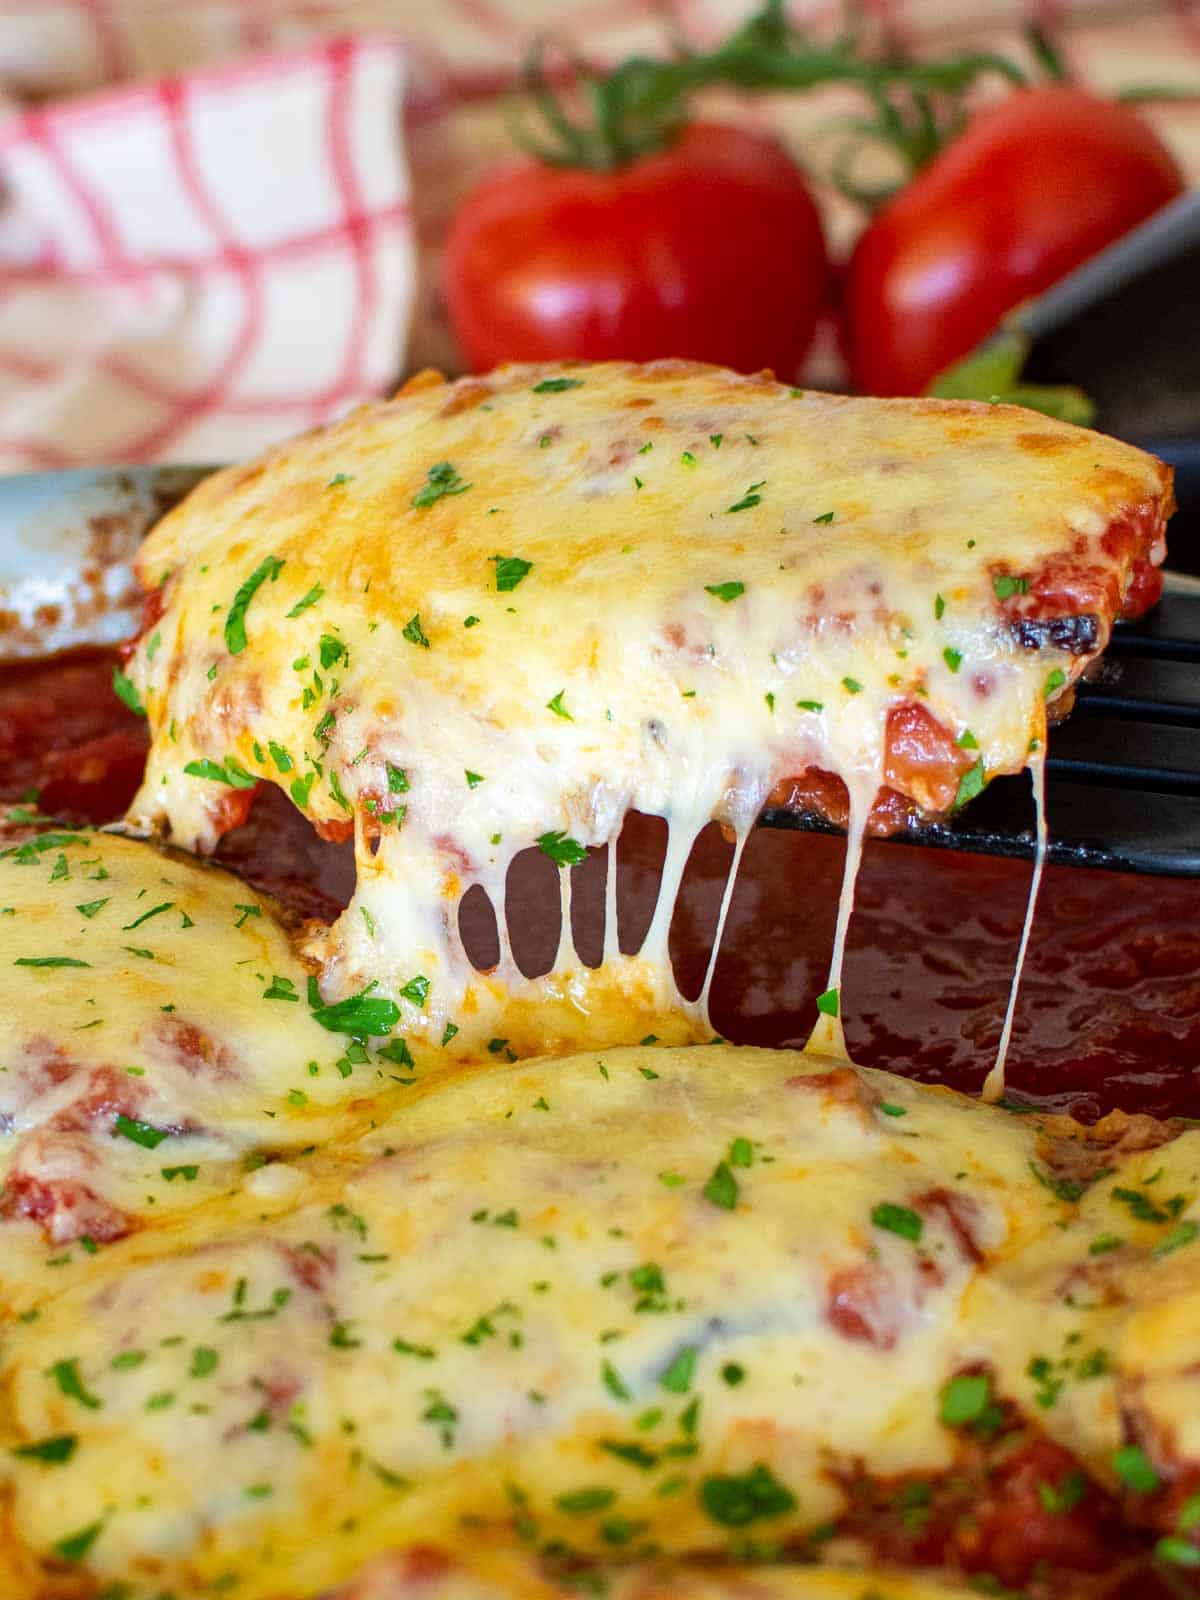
{"x":221,"y":219}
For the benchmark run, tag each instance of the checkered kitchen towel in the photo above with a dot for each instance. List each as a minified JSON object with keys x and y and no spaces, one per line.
{"x":193,"y":266}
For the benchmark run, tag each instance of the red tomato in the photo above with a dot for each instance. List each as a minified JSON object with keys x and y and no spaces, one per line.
{"x":711,"y":249}
{"x":1036,"y":185}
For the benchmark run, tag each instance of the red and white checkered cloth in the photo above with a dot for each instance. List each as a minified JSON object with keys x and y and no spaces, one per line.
{"x":195,"y":265}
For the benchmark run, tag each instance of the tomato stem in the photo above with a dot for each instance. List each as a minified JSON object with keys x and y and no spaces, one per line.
{"x":641,"y":105}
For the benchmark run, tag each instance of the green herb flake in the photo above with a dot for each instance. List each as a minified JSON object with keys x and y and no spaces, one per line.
{"x":559,"y":709}
{"x":939,"y":607}
{"x":50,"y":961}
{"x":1184,"y":1234}
{"x":852,"y":686}
{"x":126,"y":692}
{"x":509,"y":572}
{"x":143,"y":1133}
{"x":441,"y":480}
{"x":677,"y":1379}
{"x":581,"y":1502}
{"x":310,"y":599}
{"x":562,"y":850}
{"x":1004,"y":586}
{"x":829,"y":1003}
{"x":75,"y":1546}
{"x":556,"y":385}
{"x":414,"y":632}
{"x":722,"y":1187}
{"x":1135,"y":1470}
{"x":898,"y":1219}
{"x":734,"y":1501}
{"x":235,"y":622}
{"x":726,"y":591}
{"x":1054,"y":682}
{"x":826,"y":516}
{"x":205,"y":1361}
{"x":53,"y":1452}
{"x":952,"y":658}
{"x":965,"y":1399}
{"x":969,"y":785}
{"x":71,"y":1385}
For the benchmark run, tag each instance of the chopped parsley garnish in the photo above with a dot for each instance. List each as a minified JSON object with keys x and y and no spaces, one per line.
{"x":1186,"y":1233}
{"x":361,"y":1014}
{"x":89,"y":908}
{"x":235,"y":622}
{"x":509,"y":572}
{"x":340,"y":478}
{"x":50,"y":961}
{"x":1006,"y":586}
{"x":416,"y":990}
{"x":810,"y":705}
{"x":952,"y":658}
{"x":826,"y":516}
{"x":128,"y":927}
{"x":188,"y":1173}
{"x":966,"y":1401}
{"x":852,"y":686}
{"x":559,"y":710}
{"x":1055,"y":681}
{"x":205,"y":1361}
{"x":126,"y":692}
{"x":898,"y":1219}
{"x":54,"y":1451}
{"x":749,"y":500}
{"x":414,"y":632}
{"x":828,"y":1004}
{"x":143,"y":1133}
{"x":310,"y":599}
{"x":726,"y":591}
{"x":397,"y":779}
{"x":562,"y":850}
{"x":967,"y":740}
{"x":735,"y":1501}
{"x":280,"y":757}
{"x":613,"y":1382}
{"x":280,"y":989}
{"x":76,"y":1546}
{"x":1135,"y":1470}
{"x":474,"y":779}
{"x":71,"y":1385}
{"x":939,"y":607}
{"x":677,"y":1379}
{"x":722,"y":1187}
{"x":556,"y":385}
{"x":442,"y":479}
{"x":332,"y":650}
{"x":229,"y":771}
{"x":579,"y":1502}
{"x":1059,"y":1498}
{"x":969,"y":785}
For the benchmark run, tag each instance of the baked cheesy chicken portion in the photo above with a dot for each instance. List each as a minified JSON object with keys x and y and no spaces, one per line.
{"x":649,"y":1305}
{"x":505,"y":611}
{"x":333,"y":1267}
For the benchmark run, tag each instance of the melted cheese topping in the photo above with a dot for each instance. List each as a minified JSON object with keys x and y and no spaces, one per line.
{"x":667,"y":1300}
{"x":156,"y":1037}
{"x":507,"y":610}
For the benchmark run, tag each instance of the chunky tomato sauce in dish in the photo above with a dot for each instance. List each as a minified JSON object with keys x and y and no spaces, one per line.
{"x":448,"y":1152}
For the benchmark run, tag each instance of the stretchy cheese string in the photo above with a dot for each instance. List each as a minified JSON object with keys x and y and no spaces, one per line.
{"x":828,"y":1037}
{"x":730,"y":884}
{"x":993,"y":1086}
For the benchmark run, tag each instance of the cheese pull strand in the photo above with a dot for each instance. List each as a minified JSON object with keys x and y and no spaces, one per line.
{"x":993,"y":1086}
